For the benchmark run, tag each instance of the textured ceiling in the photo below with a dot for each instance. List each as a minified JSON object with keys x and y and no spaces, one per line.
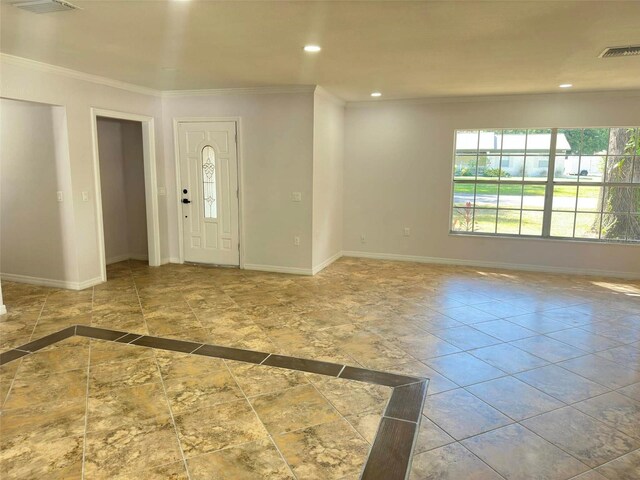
{"x":403,"y":49}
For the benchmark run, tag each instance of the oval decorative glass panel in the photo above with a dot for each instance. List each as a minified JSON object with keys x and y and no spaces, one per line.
{"x":209,"y":182}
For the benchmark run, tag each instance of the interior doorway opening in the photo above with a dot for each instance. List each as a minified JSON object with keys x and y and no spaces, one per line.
{"x":126,"y":188}
{"x":123,"y":191}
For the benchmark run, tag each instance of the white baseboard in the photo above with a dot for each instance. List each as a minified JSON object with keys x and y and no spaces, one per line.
{"x":117,"y":258}
{"x":278,"y":269}
{"x":497,"y":265}
{"x":50,"y":282}
{"x":3,"y":309}
{"x":166,"y":260}
{"x":294,"y":270}
{"x":127,"y":256}
{"x":326,"y":263}
{"x":92,"y":282}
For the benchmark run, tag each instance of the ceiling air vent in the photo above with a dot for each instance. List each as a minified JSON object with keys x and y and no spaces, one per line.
{"x":45,"y":6}
{"x":627,"y":51}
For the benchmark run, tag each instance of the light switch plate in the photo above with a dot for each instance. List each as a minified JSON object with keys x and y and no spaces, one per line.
{"x":85,"y":196}
{"x":162,"y":191}
{"x":296,"y":196}
{"x":60,"y":196}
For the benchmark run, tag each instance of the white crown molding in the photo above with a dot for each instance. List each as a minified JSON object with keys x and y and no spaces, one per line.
{"x":497,"y":265}
{"x":67,"y":72}
{"x":88,"y":77}
{"x":492,"y":98}
{"x":240,"y":91}
{"x":109,"y":82}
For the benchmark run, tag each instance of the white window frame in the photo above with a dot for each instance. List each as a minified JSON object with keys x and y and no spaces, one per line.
{"x":550,"y":183}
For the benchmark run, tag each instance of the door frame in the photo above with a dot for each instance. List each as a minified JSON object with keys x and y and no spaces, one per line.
{"x":150,"y":184}
{"x":176,"y":148}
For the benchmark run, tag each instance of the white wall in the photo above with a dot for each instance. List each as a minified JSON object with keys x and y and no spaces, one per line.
{"x":36,"y":230}
{"x":398,"y":166}
{"x":276,"y":151}
{"x":133,"y":155}
{"x":397,"y":172}
{"x":114,"y":200}
{"x":77,"y":93}
{"x":122,"y":188}
{"x":328,"y":157}
{"x":276,"y":147}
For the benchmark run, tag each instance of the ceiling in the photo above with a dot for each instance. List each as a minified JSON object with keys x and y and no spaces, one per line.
{"x":402,"y":49}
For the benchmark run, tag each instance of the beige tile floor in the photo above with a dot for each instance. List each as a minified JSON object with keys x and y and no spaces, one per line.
{"x":532,"y":375}
{"x":102,"y":410}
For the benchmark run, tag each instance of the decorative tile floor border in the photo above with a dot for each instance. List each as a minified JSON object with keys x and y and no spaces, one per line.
{"x":390,"y":454}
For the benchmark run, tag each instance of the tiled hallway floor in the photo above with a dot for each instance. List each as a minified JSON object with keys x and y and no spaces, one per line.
{"x":531,"y":375}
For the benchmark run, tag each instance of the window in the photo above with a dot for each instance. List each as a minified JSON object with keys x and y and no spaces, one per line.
{"x":551,"y":183}
{"x":209,"y":183}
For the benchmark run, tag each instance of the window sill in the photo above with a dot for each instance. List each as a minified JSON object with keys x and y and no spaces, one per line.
{"x":545,"y":239}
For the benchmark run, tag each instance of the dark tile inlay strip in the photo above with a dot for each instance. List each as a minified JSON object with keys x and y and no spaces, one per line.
{"x":167,"y":344}
{"x":128,"y":338}
{"x":304,"y":364}
{"x":99,"y":333}
{"x":6,"y":357}
{"x":391,"y":450}
{"x":406,"y":402}
{"x":231,"y":353}
{"x":48,"y":340}
{"x":378,"y":378}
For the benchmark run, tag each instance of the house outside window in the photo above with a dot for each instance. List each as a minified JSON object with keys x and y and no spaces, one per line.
{"x":550,"y":183}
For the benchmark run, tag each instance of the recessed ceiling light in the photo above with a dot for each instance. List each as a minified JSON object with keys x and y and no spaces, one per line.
{"x":565,"y":85}
{"x":312,"y":48}
{"x":376,"y":94}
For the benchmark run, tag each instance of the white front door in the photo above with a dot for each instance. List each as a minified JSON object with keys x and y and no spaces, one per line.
{"x":209,"y":192}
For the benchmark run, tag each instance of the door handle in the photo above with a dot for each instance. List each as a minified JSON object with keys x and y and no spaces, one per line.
{"x":186,"y":200}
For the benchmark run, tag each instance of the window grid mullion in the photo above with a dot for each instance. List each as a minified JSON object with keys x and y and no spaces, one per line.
{"x":473,"y":210}
{"x":521,"y":208}
{"x":475,"y":187}
{"x":604,"y":183}
{"x":575,"y":212}
{"x":548,"y":196}
{"x":605,"y":177}
{"x":495,"y":228}
{"x":524,"y":169}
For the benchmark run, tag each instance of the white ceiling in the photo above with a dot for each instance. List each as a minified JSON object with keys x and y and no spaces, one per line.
{"x":403,"y":49}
